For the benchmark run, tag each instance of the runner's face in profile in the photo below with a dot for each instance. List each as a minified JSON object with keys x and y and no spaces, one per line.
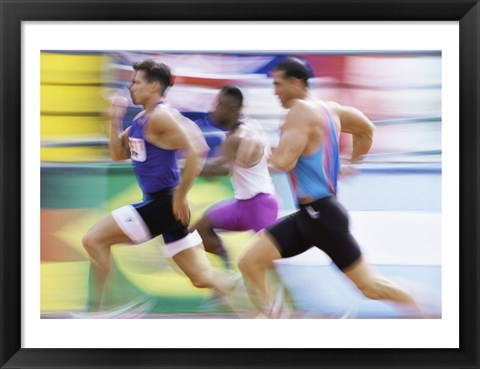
{"x":223,"y":112}
{"x":284,"y":88}
{"x":140,"y":89}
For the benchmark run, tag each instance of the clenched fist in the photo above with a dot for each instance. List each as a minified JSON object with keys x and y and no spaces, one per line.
{"x":118,"y":108}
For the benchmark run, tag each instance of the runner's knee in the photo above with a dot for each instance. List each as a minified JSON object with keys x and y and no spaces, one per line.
{"x":259,"y":257}
{"x":249,"y":263}
{"x":376,"y":290}
{"x":199,"y":283}
{"x":244,"y":263}
{"x":210,"y":239}
{"x":203,"y":226}
{"x":88,"y":242}
{"x":200,"y":280}
{"x":91,"y":243}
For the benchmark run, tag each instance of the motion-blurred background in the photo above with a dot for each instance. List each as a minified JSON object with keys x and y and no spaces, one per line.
{"x":394,"y":201}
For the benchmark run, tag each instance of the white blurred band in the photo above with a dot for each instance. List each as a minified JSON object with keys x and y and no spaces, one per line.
{"x":191,"y":240}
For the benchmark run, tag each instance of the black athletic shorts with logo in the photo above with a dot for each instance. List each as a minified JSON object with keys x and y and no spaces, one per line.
{"x":150,"y":218}
{"x":323,"y":224}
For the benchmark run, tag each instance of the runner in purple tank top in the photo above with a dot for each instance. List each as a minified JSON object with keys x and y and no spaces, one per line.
{"x":152,"y":142}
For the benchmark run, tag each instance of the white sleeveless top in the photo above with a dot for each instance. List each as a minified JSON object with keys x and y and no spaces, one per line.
{"x":248,"y":182}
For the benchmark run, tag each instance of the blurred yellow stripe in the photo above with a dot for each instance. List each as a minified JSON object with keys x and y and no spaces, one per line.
{"x":63,"y":286}
{"x":70,"y":99}
{"x":71,"y":125}
{"x":85,"y":153}
{"x":72,"y":69}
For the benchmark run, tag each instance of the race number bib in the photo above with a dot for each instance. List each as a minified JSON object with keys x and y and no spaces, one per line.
{"x":137,"y":149}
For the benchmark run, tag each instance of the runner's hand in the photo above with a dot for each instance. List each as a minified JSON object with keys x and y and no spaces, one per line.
{"x":180,"y":208}
{"x":347,"y":172}
{"x":118,"y":108}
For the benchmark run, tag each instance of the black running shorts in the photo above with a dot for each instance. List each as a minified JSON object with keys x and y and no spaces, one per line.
{"x":323,"y":224}
{"x":157,"y":213}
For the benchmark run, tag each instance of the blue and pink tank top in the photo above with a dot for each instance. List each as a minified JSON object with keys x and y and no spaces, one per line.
{"x":154,"y":167}
{"x":316,"y":175}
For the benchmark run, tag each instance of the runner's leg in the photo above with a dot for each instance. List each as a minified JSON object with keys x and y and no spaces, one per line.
{"x":97,"y":242}
{"x":254,"y":265}
{"x":196,"y":266}
{"x":377,"y":287}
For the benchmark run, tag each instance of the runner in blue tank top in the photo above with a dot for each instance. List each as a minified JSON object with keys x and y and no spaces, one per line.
{"x":152,"y":142}
{"x":315,"y":175}
{"x":308,"y":149}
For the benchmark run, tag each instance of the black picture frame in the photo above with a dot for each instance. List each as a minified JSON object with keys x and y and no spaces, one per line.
{"x":12,"y":355}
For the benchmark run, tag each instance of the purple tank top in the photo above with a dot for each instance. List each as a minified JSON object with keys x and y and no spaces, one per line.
{"x":155,"y":168}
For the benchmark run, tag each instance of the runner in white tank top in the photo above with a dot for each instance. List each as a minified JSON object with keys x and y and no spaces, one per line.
{"x":250,"y":181}
{"x":245,"y":153}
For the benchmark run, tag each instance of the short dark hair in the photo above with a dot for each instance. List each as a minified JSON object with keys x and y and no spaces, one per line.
{"x":233,"y":92}
{"x":294,"y":67}
{"x":155,"y":72}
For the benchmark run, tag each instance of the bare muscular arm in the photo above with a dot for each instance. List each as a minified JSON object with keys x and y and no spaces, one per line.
{"x":356,"y":123}
{"x":118,"y":144}
{"x":243,"y":149}
{"x":220,"y":164}
{"x":293,"y":140}
{"x":166,"y":132}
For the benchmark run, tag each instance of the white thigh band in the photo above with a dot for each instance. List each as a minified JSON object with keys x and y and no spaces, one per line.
{"x":189,"y":241}
{"x":132,"y":224}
